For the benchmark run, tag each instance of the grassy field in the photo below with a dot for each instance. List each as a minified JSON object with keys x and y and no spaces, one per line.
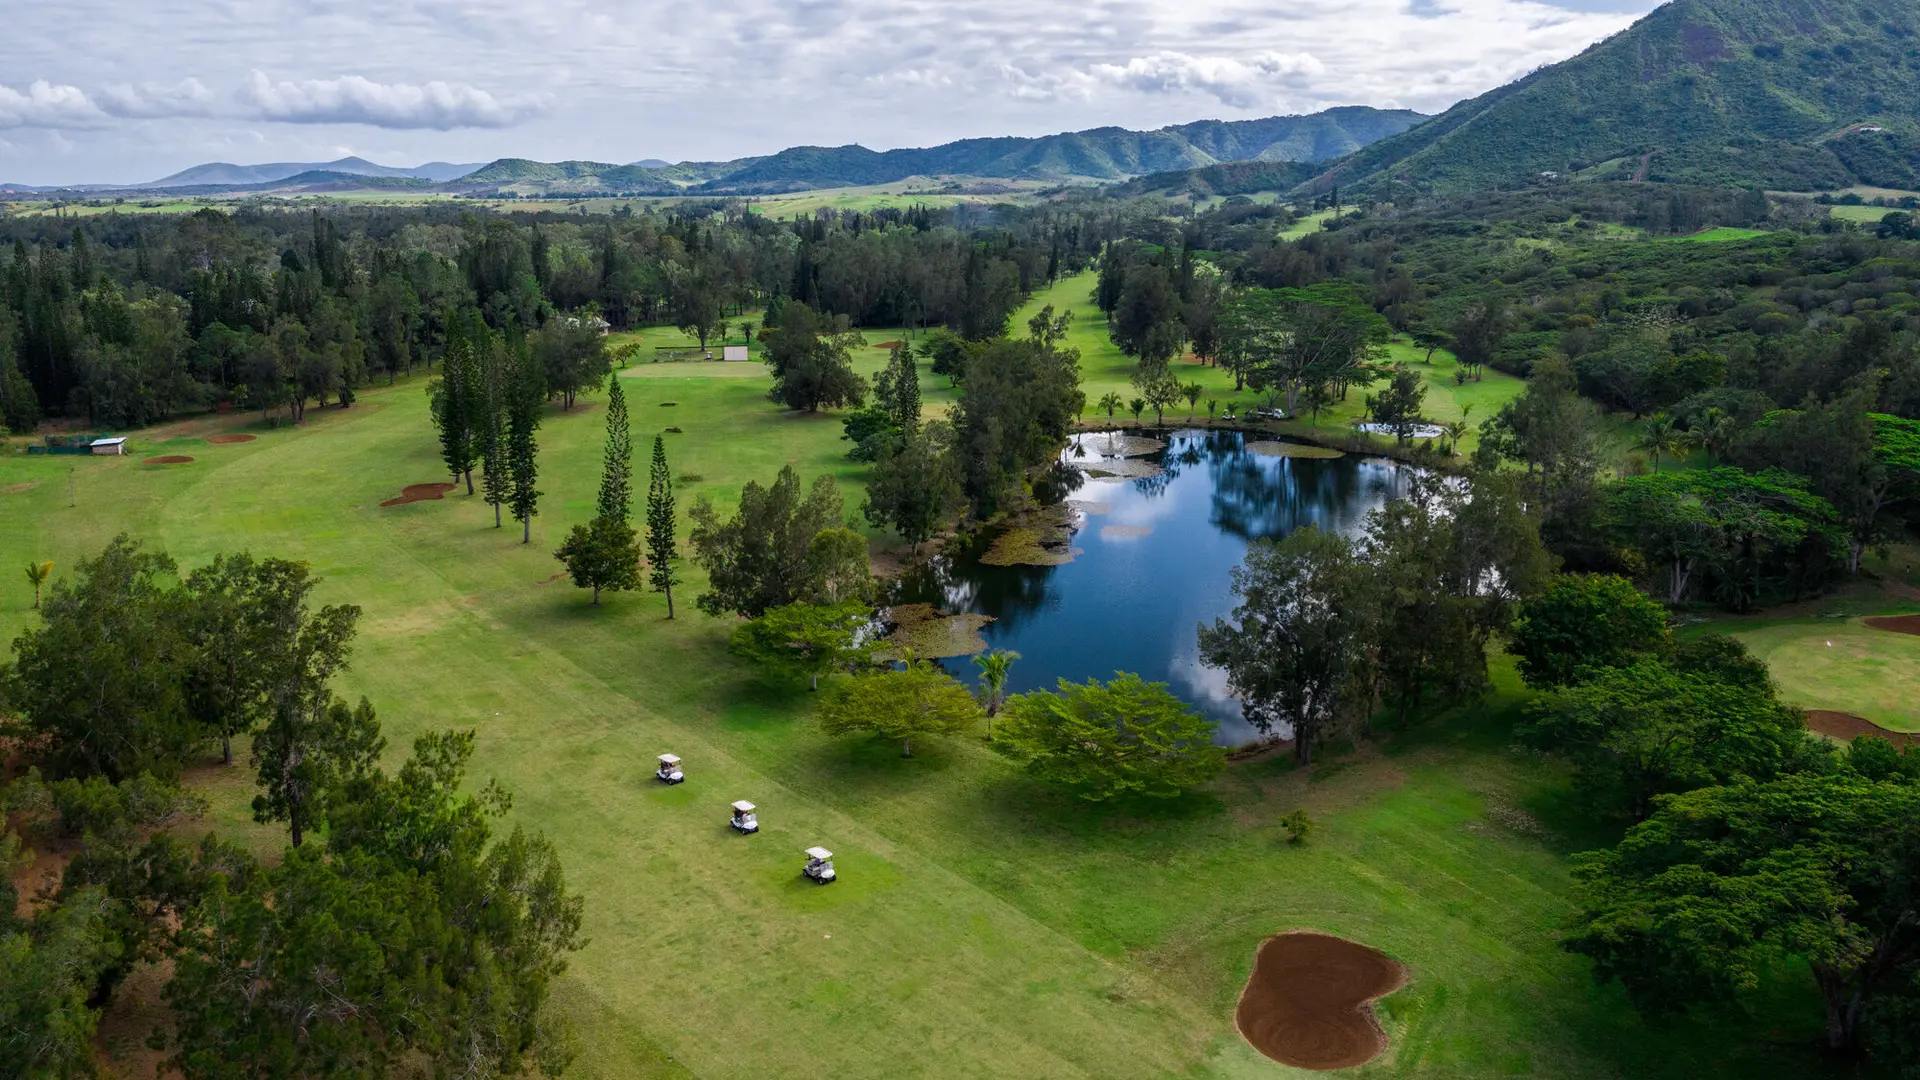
{"x":1833,"y":660}
{"x":1721,"y":235}
{"x":1312,"y":222}
{"x":982,"y":927}
{"x":1865,"y":215}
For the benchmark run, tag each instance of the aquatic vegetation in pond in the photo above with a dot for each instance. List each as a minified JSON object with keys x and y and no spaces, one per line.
{"x":933,"y":634}
{"x":1037,"y":537}
{"x":1274,"y":448}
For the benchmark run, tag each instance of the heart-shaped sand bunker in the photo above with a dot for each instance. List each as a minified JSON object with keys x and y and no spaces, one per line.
{"x":1308,"y":1001}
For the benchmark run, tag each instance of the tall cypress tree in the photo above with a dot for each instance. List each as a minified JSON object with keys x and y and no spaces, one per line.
{"x":455,"y":408}
{"x":523,"y":419}
{"x":660,"y":525}
{"x":496,"y":483}
{"x":902,"y":400}
{"x":616,"y":476}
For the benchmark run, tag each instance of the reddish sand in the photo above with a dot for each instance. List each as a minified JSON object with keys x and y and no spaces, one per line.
{"x":170,"y":459}
{"x":1898,"y":624}
{"x":230,"y":438}
{"x":888,"y":344}
{"x":1307,"y":1002}
{"x":1846,"y":726}
{"x":413,"y":493}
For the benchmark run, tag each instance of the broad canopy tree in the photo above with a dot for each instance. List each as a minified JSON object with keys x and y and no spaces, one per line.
{"x":1103,"y":741}
{"x":915,"y":702}
{"x":1295,"y":649}
{"x":1721,"y":885}
{"x":758,"y":559}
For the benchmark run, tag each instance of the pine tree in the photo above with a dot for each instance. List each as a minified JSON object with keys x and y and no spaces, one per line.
{"x":616,"y":476}
{"x":660,"y":525}
{"x":523,"y":419}
{"x":455,"y":407}
{"x":901,"y":397}
{"x":496,"y":485}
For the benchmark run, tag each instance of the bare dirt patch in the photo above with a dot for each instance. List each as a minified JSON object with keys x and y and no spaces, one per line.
{"x":1846,"y":726}
{"x":20,"y":488}
{"x":1308,"y":1003}
{"x":413,"y":493}
{"x":168,"y":459}
{"x":889,"y":345}
{"x":230,"y":438}
{"x":1896,"y":624}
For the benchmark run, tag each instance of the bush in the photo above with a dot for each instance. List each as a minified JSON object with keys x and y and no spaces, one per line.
{"x":1298,"y":826}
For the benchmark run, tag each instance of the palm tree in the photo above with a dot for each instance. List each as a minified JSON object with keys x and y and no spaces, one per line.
{"x":1192,"y":392}
{"x":1717,"y":430}
{"x":993,"y":679}
{"x":37,"y":574}
{"x":1661,"y":437}
{"x":1212,"y":404}
{"x":1455,"y":432}
{"x":1137,"y":405}
{"x":1111,"y":402}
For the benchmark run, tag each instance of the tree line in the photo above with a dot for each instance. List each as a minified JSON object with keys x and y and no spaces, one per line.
{"x":357,"y":951}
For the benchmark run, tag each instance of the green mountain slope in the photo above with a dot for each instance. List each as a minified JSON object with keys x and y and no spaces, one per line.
{"x":1749,"y":92}
{"x":1102,"y":154}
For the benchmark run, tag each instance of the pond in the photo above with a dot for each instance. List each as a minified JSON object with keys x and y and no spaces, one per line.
{"x":1151,"y":559}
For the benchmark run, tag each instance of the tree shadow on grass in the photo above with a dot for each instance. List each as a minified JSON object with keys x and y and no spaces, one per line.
{"x":1015,"y":804}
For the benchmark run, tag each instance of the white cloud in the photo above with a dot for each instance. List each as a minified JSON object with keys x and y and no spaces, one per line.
{"x":351,"y":99}
{"x":1243,"y":84}
{"x":46,"y":105}
{"x":620,"y":80}
{"x":147,"y":101}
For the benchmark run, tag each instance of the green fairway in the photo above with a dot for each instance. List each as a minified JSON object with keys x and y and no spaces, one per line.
{"x":1843,"y":665}
{"x":981,"y":927}
{"x":1719,"y":236}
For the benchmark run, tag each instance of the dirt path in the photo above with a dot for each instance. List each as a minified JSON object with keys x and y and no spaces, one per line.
{"x":1646,"y":164}
{"x":1308,"y":1001}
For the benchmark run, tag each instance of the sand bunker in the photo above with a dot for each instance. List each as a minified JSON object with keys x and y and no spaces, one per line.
{"x":413,"y":493}
{"x":230,"y":438}
{"x":1846,"y":727}
{"x":936,"y":635}
{"x":170,"y":459}
{"x":1274,"y":448}
{"x":1898,"y":624}
{"x":1307,"y":1003}
{"x":889,"y":344}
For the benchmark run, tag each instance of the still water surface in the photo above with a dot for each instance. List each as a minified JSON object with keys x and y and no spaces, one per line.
{"x":1153,"y":564}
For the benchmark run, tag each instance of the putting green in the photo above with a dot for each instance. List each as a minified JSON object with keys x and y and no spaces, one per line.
{"x":1846,"y":666}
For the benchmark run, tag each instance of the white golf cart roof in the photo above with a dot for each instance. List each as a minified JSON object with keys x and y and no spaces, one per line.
{"x":669,"y":759}
{"x":820,"y":853}
{"x":743,"y":806}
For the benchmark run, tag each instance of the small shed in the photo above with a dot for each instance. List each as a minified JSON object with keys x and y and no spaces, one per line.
{"x":734,"y":352}
{"x":116,"y":444}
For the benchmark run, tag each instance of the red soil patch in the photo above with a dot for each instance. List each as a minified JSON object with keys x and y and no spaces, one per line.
{"x":1846,"y":726}
{"x":1307,"y":1003}
{"x":230,"y":438}
{"x":170,"y":459}
{"x":889,"y":344}
{"x":1898,"y":624}
{"x":413,"y":493}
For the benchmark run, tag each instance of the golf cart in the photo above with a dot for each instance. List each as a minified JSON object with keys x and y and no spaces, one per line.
{"x":743,"y":818}
{"x":819,"y":865}
{"x":669,"y":770}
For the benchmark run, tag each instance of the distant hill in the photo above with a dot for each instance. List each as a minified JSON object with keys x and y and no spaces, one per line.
{"x":222,"y":174}
{"x":1787,"y":94}
{"x":1100,"y":154}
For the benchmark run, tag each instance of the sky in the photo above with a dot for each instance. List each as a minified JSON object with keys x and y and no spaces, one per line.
{"x":127,"y":91}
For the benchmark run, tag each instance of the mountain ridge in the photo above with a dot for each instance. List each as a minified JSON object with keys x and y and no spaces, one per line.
{"x":1768,"y":93}
{"x":1106,"y":153}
